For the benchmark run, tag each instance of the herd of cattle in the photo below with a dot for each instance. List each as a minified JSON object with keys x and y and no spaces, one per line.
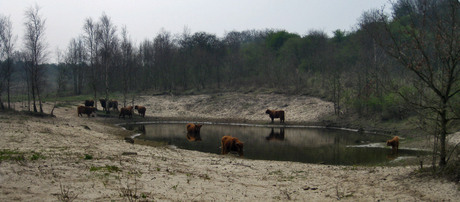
{"x":90,"y":110}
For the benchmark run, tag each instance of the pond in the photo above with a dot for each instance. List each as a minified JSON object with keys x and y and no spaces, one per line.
{"x":281,"y":143}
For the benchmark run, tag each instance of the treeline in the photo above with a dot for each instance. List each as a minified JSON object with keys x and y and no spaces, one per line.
{"x":349,"y":68}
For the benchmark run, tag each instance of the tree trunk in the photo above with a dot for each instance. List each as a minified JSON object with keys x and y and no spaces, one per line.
{"x":39,"y":99}
{"x":443,"y":154}
{"x":28,"y":94}
{"x":75,"y":81}
{"x":8,"y":92}
{"x":95,"y":97}
{"x":33,"y":96}
{"x":107,"y":88}
{"x":1,"y":102}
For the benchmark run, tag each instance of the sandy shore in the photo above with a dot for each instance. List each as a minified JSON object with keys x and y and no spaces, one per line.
{"x":86,"y":159}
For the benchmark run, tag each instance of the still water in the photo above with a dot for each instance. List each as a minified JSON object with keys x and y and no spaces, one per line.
{"x":300,"y":144}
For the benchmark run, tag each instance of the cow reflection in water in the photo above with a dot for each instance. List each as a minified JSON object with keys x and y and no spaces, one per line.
{"x":193,"y":132}
{"x":141,"y":129}
{"x":276,"y":136}
{"x":392,"y":156}
{"x":192,"y":137}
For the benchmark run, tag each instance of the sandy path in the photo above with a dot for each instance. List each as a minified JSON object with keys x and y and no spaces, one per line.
{"x":161,"y":173}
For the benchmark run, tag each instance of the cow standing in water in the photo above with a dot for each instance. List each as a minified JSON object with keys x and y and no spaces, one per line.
{"x":394,"y":143}
{"x":231,"y":144}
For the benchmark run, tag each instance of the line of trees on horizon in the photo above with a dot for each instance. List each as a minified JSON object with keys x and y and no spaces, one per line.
{"x":391,"y":67}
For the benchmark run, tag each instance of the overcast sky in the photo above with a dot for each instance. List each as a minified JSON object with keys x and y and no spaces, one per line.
{"x":145,"y":18}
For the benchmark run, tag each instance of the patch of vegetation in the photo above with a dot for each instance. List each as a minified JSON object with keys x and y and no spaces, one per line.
{"x":88,"y":157}
{"x":107,"y":168}
{"x":9,"y":155}
{"x":36,"y":156}
{"x":63,"y":104}
{"x":278,"y":172}
{"x":36,"y":114}
{"x":75,"y":98}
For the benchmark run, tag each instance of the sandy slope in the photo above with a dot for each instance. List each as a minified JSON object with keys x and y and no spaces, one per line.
{"x":161,"y":173}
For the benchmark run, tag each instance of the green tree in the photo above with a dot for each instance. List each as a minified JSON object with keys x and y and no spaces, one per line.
{"x":425,"y":41}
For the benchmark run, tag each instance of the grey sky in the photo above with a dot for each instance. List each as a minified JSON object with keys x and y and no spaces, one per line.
{"x":145,"y":18}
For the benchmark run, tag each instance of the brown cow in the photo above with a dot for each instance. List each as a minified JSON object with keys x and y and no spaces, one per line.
{"x":85,"y":110}
{"x":276,"y":114}
{"x":112,"y":104}
{"x":89,"y":103}
{"x":230,"y":144}
{"x":141,"y":110}
{"x":126,"y":111}
{"x":193,"y":128}
{"x":394,"y":143}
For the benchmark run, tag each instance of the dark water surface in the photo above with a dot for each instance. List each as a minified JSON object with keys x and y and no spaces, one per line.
{"x":300,"y":144}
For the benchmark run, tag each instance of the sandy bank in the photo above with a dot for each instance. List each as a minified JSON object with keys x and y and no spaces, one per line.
{"x":86,"y":158}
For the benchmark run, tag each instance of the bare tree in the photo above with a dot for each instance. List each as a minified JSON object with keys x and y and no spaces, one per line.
{"x":7,"y":42}
{"x":146,"y":60}
{"x":62,"y":76}
{"x":108,"y":40}
{"x":127,"y":57}
{"x":76,"y":57}
{"x":425,"y":40}
{"x":27,"y":66}
{"x":90,"y":28}
{"x":163,"y":57}
{"x":35,"y":49}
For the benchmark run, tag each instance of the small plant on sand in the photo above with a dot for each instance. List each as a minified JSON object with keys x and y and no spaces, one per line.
{"x":88,"y":157}
{"x":65,"y":194}
{"x":36,"y":156}
{"x":175,"y":187}
{"x":128,"y":189}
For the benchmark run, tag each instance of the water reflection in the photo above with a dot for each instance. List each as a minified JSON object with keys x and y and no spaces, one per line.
{"x":193,"y":137}
{"x":276,"y":136}
{"x":392,"y":155}
{"x":286,"y":144}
